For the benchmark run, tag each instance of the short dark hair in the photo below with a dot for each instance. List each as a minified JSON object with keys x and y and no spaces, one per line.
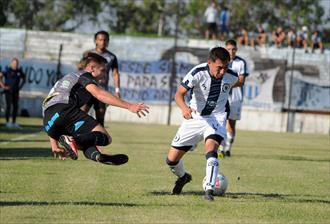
{"x":219,"y":53}
{"x":231,"y":42}
{"x":102,"y":32}
{"x":15,"y":59}
{"x":89,"y":57}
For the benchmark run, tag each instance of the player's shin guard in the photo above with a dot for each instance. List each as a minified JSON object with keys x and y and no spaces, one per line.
{"x":91,"y":139}
{"x":212,"y":169}
{"x":92,"y":153}
{"x":176,"y":167}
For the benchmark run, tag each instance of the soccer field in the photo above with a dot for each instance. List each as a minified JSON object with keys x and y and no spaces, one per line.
{"x":273,"y":178}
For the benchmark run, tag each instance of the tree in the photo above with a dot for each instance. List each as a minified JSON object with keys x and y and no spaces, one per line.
{"x":154,"y":17}
{"x":47,"y":14}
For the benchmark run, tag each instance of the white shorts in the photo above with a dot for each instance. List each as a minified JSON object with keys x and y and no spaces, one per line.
{"x":195,"y":130}
{"x":235,"y":110}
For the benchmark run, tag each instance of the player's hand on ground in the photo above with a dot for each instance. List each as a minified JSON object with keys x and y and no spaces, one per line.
{"x":140,"y":109}
{"x":59,"y":153}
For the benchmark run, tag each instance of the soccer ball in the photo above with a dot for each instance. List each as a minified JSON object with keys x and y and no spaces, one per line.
{"x":221,"y":184}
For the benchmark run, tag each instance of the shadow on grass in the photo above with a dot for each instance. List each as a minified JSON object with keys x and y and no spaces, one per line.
{"x":45,"y":203}
{"x":284,"y":157}
{"x":25,"y":129}
{"x":24,"y":140}
{"x":24,"y":153}
{"x":248,"y":195}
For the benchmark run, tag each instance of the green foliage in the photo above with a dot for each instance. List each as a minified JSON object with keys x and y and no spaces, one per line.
{"x":152,"y":17}
{"x":48,"y":14}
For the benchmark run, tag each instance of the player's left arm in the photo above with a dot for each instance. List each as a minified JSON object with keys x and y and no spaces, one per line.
{"x":242,"y":73}
{"x":240,"y":81}
{"x":116,"y":77}
{"x":23,"y":79}
{"x":116,"y":81}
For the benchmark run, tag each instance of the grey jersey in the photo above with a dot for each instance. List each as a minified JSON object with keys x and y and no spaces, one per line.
{"x":71,"y":89}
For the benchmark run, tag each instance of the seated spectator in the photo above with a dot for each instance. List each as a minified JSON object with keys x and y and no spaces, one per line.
{"x":302,"y":38}
{"x":242,"y":37}
{"x":278,"y":36}
{"x":317,"y":42}
{"x":292,"y":37}
{"x":261,"y":38}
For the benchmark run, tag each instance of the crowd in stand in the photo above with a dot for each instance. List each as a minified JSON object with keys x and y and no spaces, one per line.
{"x":279,"y":37}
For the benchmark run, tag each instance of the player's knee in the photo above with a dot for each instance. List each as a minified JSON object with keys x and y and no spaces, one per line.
{"x":171,"y":163}
{"x":102,"y":139}
{"x":211,"y":154}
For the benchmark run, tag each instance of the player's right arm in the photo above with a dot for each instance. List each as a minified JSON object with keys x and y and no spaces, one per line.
{"x":179,"y":99}
{"x":58,"y":152}
{"x":2,"y":84}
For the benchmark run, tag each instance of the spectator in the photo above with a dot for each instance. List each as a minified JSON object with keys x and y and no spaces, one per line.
{"x":261,"y":38}
{"x":224,"y":22}
{"x":278,"y":37}
{"x":242,"y":37}
{"x":302,"y":38}
{"x":292,"y":37}
{"x":14,"y":81}
{"x":210,"y":16}
{"x":317,"y":42}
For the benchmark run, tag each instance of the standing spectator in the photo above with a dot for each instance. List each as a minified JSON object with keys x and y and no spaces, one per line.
{"x":292,"y":37}
{"x":101,"y":39}
{"x":302,"y":38}
{"x":278,"y":37}
{"x":242,"y":37}
{"x":210,"y":16}
{"x":317,"y":42}
{"x":224,"y":22}
{"x":14,"y":81}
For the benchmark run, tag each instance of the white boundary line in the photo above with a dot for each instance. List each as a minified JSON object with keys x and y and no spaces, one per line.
{"x":20,"y":138}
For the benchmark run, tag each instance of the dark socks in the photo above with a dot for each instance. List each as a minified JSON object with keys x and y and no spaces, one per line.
{"x":92,"y":153}
{"x":91,"y":139}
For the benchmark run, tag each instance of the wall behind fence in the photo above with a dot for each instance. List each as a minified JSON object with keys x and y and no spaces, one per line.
{"x":145,"y":66}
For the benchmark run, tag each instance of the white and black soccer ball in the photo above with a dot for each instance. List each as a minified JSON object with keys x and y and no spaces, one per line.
{"x":221,"y":184}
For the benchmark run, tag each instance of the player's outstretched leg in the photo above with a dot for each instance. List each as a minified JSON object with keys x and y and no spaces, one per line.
{"x":212,"y":167}
{"x":69,"y":145}
{"x":180,"y":182}
{"x":177,"y":168}
{"x":93,"y":153}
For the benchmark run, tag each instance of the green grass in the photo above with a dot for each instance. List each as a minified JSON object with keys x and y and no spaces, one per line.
{"x":284,"y":178}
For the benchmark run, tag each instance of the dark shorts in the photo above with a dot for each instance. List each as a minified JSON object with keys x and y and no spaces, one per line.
{"x":212,"y":27}
{"x":316,"y":45}
{"x":62,"y":119}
